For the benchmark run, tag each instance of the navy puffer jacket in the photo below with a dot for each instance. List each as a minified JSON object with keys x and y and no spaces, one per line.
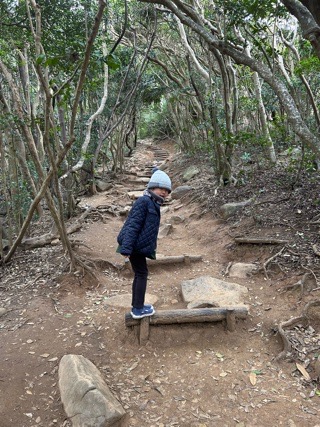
{"x":140,"y":231}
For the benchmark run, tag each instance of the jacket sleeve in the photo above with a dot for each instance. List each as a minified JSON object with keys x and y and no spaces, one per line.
{"x":134,"y":225}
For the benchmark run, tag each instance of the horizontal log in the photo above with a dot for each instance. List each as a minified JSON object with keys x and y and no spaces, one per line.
{"x":175,"y":259}
{"x":261,"y":240}
{"x":196,"y":315}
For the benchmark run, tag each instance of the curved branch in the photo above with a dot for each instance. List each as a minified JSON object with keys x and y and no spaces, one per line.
{"x":309,"y":26}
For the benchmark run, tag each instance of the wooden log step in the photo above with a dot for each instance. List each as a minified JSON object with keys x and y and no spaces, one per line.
{"x":195,"y":315}
{"x":175,"y":259}
{"x":261,"y":240}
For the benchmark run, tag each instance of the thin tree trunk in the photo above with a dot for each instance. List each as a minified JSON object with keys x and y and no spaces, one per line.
{"x":61,"y":155}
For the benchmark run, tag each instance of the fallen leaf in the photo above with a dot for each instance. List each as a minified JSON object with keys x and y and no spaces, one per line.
{"x":53,"y":359}
{"x":253,"y":378}
{"x":45,"y":355}
{"x":303,"y":371}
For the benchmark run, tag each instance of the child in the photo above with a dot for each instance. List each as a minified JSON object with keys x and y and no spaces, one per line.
{"x":138,"y":238}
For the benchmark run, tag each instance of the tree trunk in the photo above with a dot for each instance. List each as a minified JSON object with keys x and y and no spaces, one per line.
{"x":310,"y":24}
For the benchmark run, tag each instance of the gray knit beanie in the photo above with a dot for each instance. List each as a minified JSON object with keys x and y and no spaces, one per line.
{"x":160,"y":180}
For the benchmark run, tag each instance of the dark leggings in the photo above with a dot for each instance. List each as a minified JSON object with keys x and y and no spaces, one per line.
{"x":139,"y":285}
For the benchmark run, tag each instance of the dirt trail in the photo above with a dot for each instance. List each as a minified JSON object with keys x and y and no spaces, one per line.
{"x":186,"y":375}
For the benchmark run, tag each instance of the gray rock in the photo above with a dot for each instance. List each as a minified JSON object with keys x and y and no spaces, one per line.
{"x":5,"y":244}
{"x":3,"y":311}
{"x":295,"y":153}
{"x":214,"y":291}
{"x":164,"y":230}
{"x":201,"y":304}
{"x":229,"y":209}
{"x":135,"y":194}
{"x":177,"y":219}
{"x":180,"y":191}
{"x":242,"y":269}
{"x":124,"y":300}
{"x":125,"y":211}
{"x":191,"y":172}
{"x":86,"y":398}
{"x":102,"y":185}
{"x":164,"y":209}
{"x":194,"y":216}
{"x":140,"y":180}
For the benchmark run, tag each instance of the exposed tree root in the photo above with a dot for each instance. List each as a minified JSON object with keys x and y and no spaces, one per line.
{"x":287,"y":346}
{"x":86,"y":266}
{"x":265,"y":265}
{"x":300,"y":284}
{"x":46,"y":239}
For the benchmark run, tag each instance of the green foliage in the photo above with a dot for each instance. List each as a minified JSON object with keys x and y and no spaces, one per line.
{"x":155,"y":121}
{"x":308,"y":65}
{"x":243,"y":11}
{"x":112,"y":61}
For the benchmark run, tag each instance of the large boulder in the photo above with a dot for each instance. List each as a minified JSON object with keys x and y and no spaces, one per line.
{"x":229,"y":209}
{"x":180,"y":191}
{"x":86,"y":398}
{"x":243,"y":269}
{"x":191,"y":172}
{"x":214,"y":292}
{"x":164,"y":230}
{"x":103,"y":185}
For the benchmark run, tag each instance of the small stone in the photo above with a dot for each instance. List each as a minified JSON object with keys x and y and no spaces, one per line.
{"x":3,"y":311}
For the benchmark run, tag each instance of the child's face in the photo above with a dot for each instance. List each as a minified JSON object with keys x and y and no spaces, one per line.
{"x":162,"y":192}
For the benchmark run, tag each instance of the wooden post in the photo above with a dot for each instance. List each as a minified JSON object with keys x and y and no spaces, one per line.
{"x":187,"y":259}
{"x":231,"y":320}
{"x":144,"y":330}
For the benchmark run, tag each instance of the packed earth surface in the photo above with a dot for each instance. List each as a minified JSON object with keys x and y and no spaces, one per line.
{"x":188,"y":375}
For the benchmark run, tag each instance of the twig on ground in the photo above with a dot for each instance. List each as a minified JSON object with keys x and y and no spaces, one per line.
{"x":316,"y":250}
